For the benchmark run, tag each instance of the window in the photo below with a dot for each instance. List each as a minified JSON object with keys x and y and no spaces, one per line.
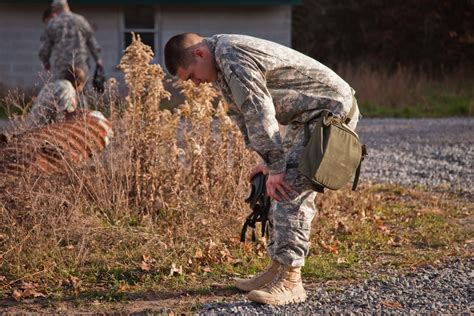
{"x":140,"y":20}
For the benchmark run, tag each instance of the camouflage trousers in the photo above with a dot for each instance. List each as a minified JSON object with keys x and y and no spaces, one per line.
{"x":59,"y":68}
{"x":291,"y":220}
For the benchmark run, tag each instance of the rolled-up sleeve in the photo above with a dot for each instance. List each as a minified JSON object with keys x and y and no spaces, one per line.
{"x":249,"y":92}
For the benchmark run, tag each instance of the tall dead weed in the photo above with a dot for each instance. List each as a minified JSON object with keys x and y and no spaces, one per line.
{"x":171,"y":185}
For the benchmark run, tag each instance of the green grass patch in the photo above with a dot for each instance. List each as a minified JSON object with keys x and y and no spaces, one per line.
{"x":433,"y":104}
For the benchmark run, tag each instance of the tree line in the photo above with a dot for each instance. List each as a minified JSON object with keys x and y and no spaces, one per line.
{"x":432,"y":35}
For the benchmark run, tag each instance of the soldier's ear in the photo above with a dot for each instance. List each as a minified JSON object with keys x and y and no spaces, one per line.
{"x":198,"y":53}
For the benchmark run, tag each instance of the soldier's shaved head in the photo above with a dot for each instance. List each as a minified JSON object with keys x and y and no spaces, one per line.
{"x":179,"y":51}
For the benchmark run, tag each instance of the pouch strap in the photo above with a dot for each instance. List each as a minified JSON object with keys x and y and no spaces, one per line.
{"x":357,"y":173}
{"x":351,"y":113}
{"x":307,"y":134}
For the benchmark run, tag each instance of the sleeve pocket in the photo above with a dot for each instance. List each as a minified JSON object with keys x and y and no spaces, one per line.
{"x":240,"y":92}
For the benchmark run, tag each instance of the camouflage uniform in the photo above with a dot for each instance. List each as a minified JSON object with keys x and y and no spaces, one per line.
{"x":265,"y":84}
{"x":53,"y":102}
{"x":67,"y":40}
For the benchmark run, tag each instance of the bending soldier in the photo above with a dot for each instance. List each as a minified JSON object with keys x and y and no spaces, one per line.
{"x":57,"y":99}
{"x":67,"y":41}
{"x":264,"y":84}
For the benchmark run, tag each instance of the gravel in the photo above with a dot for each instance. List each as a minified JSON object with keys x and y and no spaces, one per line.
{"x":445,"y":289}
{"x":437,"y":154}
{"x":432,"y":153}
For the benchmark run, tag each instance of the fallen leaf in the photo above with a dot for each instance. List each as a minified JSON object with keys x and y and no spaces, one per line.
{"x":341,"y":260}
{"x":175,"y":270}
{"x":123,"y":287}
{"x":16,"y":295}
{"x":198,"y":254}
{"x":145,"y":266}
{"x":330,"y":248}
{"x":75,"y":282}
{"x":33,"y":293}
{"x":29,"y":290}
{"x":247,"y":247}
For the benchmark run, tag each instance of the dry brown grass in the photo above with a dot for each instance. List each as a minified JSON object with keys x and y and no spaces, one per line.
{"x":161,"y":210}
{"x":170,"y":173}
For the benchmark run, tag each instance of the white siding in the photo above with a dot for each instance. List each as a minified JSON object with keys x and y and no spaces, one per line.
{"x":21,"y":28}
{"x":272,"y":23}
{"x":20,"y":32}
{"x":106,"y":22}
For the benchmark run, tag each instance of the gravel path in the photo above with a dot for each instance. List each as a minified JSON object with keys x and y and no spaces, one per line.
{"x":441,"y":290}
{"x":434,"y":153}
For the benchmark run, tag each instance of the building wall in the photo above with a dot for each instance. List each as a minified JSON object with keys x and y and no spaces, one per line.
{"x":21,"y":29}
{"x":272,"y":23}
{"x":20,"y":32}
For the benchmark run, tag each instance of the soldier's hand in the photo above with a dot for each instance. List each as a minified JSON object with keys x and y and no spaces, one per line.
{"x":277,"y":188}
{"x":261,"y":167}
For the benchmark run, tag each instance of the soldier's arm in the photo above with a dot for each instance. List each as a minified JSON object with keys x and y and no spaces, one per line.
{"x":238,"y":119}
{"x":91,"y":41}
{"x":45,"y":48}
{"x":248,"y":85}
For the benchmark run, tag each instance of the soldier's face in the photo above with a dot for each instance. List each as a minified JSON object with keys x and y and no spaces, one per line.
{"x":201,"y":70}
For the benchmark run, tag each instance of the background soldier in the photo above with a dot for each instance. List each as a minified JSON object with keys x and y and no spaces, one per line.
{"x":57,"y":98}
{"x":48,"y":15}
{"x":67,"y":41}
{"x":265,"y":84}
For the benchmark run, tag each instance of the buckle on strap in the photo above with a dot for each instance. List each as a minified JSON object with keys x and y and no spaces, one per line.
{"x":351,"y":113}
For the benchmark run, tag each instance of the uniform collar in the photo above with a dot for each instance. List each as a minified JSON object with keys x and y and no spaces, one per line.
{"x":212,"y":43}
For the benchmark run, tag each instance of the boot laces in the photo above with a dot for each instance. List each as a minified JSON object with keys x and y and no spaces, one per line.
{"x":278,"y":285}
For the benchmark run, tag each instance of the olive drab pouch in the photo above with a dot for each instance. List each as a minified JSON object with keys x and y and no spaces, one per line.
{"x":332,"y":155}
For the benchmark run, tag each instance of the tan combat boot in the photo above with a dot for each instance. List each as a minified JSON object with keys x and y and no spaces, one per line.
{"x":259,"y":281}
{"x":286,"y":288}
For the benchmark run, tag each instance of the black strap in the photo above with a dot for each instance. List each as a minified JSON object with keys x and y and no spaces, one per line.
{"x":259,"y":202}
{"x":357,"y":173}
